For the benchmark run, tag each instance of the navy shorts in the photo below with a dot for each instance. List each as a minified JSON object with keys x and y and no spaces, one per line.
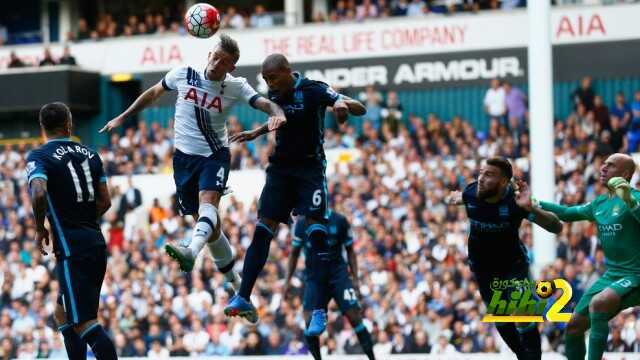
{"x":302,"y":188}
{"x":80,"y":280}
{"x":504,"y":279}
{"x":194,"y":173}
{"x":339,"y":287}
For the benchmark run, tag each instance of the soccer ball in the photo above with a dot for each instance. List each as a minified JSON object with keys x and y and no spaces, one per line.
{"x":202,"y":20}
{"x":544,"y":289}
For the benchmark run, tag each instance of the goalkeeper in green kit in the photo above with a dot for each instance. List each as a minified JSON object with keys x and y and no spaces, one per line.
{"x":617,"y":215}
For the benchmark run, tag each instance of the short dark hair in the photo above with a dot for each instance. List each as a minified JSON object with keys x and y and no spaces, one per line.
{"x":503,"y":164}
{"x":276,"y":62}
{"x":54,"y":116}
{"x":230,"y":46}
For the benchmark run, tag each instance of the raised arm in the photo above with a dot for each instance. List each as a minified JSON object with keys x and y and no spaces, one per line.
{"x":145,"y":99}
{"x":454,"y":198}
{"x":39,"y":203}
{"x":542,"y":218}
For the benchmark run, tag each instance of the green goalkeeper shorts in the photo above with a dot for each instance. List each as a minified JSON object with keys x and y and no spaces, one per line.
{"x":626,"y":286}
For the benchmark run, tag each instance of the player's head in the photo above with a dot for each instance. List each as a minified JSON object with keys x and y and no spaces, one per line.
{"x":494,"y":177}
{"x":617,"y":165}
{"x":223,"y":58}
{"x":276,"y":71}
{"x":55,"y":120}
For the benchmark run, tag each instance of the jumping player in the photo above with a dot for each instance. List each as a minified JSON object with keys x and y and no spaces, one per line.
{"x":617,"y":215}
{"x":495,"y":213}
{"x":337,"y":282}
{"x":68,"y":186}
{"x":201,"y":161}
{"x":296,"y":174}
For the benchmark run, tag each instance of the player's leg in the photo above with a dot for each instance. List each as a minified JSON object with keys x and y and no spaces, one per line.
{"x":508,"y":331}
{"x":344,"y":294}
{"x":312,"y":202}
{"x":528,"y":333}
{"x":308,"y":304}
{"x":574,"y":336}
{"x":603,"y":307}
{"x":186,"y":174}
{"x":274,"y":207}
{"x":90,"y":272}
{"x":76,"y":348}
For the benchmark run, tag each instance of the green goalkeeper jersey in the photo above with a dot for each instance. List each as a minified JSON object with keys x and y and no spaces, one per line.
{"x":618,"y":229}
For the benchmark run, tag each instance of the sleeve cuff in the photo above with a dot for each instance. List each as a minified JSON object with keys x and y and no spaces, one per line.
{"x":103,"y":179}
{"x":348,"y":243}
{"x":296,"y":243}
{"x":165,"y":85}
{"x":37,"y":176}
{"x":253,"y":100}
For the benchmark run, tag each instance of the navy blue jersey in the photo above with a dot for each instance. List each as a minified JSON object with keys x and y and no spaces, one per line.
{"x":339,"y":237}
{"x":493,"y":237}
{"x":73,"y":173}
{"x":302,"y":137}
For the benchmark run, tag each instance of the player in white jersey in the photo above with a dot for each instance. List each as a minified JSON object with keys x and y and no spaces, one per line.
{"x":201,"y":160}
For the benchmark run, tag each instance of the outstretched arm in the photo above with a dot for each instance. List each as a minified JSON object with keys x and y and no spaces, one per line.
{"x":145,"y":99}
{"x":276,"y":120}
{"x":569,"y":213}
{"x":345,"y":106}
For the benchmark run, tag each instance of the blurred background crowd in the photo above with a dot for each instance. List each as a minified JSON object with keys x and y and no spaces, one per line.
{"x":418,"y":294}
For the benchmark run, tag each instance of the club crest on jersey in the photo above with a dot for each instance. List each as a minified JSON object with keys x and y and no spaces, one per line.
{"x":503,"y":211}
{"x":298,"y":97}
{"x":31,"y":165}
{"x":204,"y":99}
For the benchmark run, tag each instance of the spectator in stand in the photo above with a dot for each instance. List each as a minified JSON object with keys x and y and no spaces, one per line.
{"x":83,"y":30}
{"x":260,"y":18}
{"x":232,"y":19}
{"x":417,"y":8}
{"x":366,"y":10}
{"x":47,"y":60}
{"x":516,"y":102}
{"x":14,"y":61}
{"x":372,"y":99}
{"x":495,"y":101}
{"x":391,"y":112}
{"x":443,"y":347}
{"x":621,"y":110}
{"x":400,"y":8}
{"x":601,"y":113}
{"x":584,"y":94}
{"x":67,"y":58}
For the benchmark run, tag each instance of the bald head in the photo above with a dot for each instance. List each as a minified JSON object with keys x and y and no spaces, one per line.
{"x":275,"y":62}
{"x":625,"y":162}
{"x":618,"y":164}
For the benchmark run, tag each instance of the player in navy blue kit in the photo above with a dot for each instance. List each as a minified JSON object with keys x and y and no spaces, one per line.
{"x":332,"y":280}
{"x":296,"y":174}
{"x":68,"y":186}
{"x":495,"y":210}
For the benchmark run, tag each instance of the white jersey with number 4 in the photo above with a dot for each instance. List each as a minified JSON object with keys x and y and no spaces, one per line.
{"x":202,"y":107}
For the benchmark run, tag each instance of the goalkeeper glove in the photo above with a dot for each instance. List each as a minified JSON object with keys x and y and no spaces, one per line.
{"x":622,"y":189}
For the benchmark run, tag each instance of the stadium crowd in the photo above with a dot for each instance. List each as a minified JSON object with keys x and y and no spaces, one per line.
{"x":418,"y":295}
